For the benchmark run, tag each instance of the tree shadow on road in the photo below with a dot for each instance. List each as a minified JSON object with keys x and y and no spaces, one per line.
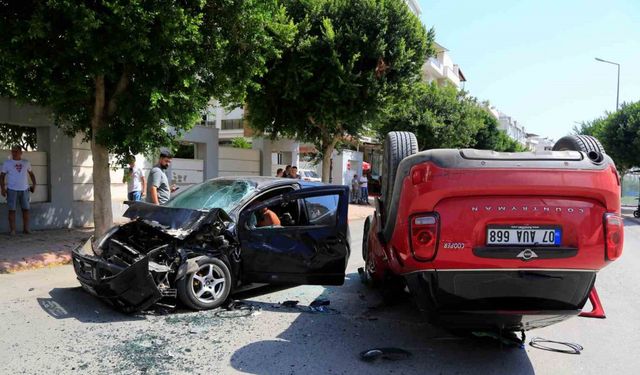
{"x":331,"y":343}
{"x":75,"y":303}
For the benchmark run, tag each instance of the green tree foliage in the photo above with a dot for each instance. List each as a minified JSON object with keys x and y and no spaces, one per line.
{"x":131,"y":75}
{"x":23,"y":136}
{"x":593,"y":128}
{"x":240,"y":142}
{"x":337,"y":73}
{"x":620,"y":136}
{"x":445,"y":117}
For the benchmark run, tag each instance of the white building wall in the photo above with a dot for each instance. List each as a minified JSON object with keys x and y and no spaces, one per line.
{"x":414,"y":7}
{"x":238,"y":162}
{"x":345,"y":165}
{"x":441,"y":69}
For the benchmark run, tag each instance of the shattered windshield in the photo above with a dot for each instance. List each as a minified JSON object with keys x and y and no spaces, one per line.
{"x":225,"y":194}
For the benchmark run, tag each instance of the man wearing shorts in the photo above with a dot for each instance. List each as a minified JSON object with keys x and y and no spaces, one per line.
{"x":14,"y":185}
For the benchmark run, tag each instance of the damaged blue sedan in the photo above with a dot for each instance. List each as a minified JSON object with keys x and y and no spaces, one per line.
{"x":217,"y":238}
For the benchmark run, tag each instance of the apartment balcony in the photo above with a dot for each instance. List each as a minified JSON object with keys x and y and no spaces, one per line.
{"x":451,"y":74}
{"x":432,"y":70}
{"x":230,"y":134}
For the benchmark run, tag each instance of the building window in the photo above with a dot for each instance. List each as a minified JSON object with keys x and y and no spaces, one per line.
{"x":234,"y":124}
{"x":208,"y":119}
{"x":186,"y":151}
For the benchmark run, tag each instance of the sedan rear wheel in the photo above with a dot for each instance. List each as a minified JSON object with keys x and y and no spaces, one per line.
{"x":208,"y":287}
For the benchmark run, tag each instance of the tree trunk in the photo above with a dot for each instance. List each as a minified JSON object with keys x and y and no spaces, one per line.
{"x":327,"y":153}
{"x":102,"y":214}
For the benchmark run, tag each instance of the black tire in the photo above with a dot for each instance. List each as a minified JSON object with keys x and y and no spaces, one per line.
{"x":210,"y":274}
{"x":584,"y":143}
{"x":397,"y":146}
{"x":636,"y":214}
{"x":365,"y":236}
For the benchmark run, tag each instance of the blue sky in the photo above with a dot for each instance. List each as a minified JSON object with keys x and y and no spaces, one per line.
{"x":534,"y":60}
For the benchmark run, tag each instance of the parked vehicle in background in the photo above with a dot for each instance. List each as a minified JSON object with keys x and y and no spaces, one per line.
{"x":309,"y":175}
{"x":486,"y":240}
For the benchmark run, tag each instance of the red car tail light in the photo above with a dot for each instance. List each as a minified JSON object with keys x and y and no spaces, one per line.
{"x":614,"y":235}
{"x":424,"y":236}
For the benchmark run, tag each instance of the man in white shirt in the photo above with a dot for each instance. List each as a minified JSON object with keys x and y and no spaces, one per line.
{"x":15,"y":173}
{"x":134,"y":177}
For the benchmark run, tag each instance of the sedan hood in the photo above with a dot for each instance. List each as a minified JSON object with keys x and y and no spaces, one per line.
{"x":176,"y":222}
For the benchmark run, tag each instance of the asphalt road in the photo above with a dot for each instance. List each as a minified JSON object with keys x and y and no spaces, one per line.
{"x":49,"y":325}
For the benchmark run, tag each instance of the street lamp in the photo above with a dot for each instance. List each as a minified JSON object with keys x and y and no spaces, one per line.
{"x":618,"y":90}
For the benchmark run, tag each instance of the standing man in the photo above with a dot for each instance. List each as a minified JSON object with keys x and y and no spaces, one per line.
{"x":355,"y":189}
{"x":364,"y":189}
{"x":136,"y":184}
{"x":287,"y":172}
{"x":14,"y":173}
{"x":158,"y":190}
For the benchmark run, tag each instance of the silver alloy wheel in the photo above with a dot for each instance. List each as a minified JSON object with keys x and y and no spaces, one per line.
{"x":207,"y":284}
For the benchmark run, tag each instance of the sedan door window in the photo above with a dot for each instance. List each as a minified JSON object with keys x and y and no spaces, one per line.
{"x":322,"y":210}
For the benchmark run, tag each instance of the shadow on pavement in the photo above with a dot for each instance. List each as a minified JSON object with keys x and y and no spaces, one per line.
{"x":75,"y":303}
{"x":331,"y":343}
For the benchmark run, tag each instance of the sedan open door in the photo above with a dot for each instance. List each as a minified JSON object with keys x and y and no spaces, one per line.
{"x":310,"y":247}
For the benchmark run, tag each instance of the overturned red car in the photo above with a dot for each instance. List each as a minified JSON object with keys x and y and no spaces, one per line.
{"x":489,"y":240}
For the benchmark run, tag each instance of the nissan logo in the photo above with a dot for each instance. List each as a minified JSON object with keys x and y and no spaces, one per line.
{"x":527,"y":254}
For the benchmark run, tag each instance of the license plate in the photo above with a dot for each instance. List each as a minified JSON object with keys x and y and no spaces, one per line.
{"x":539,"y":235}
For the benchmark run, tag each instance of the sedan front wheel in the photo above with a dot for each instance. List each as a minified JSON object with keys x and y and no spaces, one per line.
{"x":208,"y":287}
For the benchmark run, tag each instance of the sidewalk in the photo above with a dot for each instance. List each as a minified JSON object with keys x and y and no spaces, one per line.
{"x":39,"y":249}
{"x":53,"y":247}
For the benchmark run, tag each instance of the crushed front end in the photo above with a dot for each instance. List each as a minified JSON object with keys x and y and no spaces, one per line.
{"x":137,"y":264}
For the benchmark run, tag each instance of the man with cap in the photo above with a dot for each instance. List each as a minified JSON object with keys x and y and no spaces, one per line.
{"x":158,"y":189}
{"x":15,"y":173}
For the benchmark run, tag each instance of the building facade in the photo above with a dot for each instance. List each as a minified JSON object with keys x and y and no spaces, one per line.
{"x":441,"y":69}
{"x":513,"y":128}
{"x":64,"y":169}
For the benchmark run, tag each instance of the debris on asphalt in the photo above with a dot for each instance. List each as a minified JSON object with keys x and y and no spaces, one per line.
{"x":320,"y":302}
{"x":319,"y":306}
{"x":289,"y":303}
{"x":390,"y":354}
{"x":556,"y":346}
{"x":237,"y":309}
{"x":197,"y":330}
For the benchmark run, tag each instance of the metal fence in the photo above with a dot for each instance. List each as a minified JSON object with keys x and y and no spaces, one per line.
{"x":630,"y":189}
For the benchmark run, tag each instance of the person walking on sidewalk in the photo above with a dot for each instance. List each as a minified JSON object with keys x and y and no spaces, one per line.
{"x":158,"y":190}
{"x":136,"y":184}
{"x":15,"y":173}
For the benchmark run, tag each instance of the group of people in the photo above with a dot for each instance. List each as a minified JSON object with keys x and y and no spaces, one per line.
{"x":157,"y":188}
{"x":18,"y":182}
{"x":360,"y":190}
{"x":288,"y":172}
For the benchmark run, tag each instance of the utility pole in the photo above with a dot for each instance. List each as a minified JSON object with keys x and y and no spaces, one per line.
{"x":618,"y":89}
